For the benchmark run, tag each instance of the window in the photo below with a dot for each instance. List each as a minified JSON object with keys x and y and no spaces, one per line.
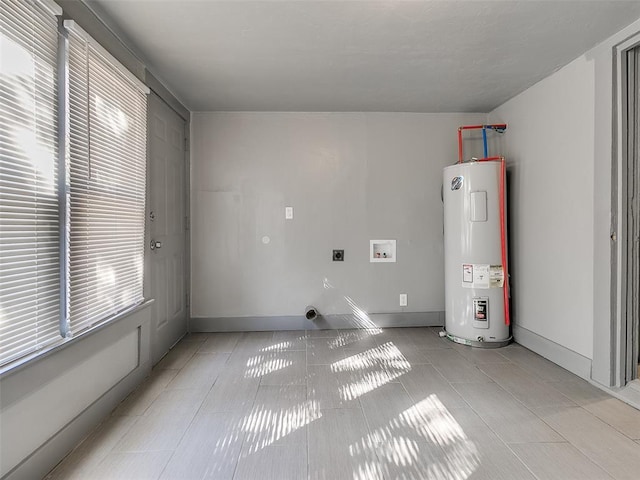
{"x":72,"y":174}
{"x":107,"y":180}
{"x":29,"y":226}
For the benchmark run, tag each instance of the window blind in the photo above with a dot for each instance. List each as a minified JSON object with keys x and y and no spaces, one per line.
{"x":29,"y":240}
{"x":108,"y":112}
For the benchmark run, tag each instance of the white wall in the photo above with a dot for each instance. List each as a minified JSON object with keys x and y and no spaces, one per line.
{"x":559,"y":146}
{"x":351,"y":177}
{"x":549,"y":148}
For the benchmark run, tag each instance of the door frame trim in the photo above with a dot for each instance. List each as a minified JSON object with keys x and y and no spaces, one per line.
{"x":619,"y":210}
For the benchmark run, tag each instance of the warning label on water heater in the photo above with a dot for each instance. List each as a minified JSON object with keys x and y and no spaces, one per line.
{"x":479,"y":275}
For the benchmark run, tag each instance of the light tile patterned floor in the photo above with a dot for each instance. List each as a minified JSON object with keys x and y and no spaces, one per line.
{"x":358,"y":405}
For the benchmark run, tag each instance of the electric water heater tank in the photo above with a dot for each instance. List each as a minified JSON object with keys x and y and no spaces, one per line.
{"x":474,"y":252}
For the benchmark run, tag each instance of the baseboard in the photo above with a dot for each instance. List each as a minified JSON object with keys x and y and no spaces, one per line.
{"x":59,"y":446}
{"x":299,"y":322}
{"x":567,"y":359}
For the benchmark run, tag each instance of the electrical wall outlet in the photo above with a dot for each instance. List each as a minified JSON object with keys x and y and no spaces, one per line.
{"x":338,"y":255}
{"x":288,"y":213}
{"x":403,"y":299}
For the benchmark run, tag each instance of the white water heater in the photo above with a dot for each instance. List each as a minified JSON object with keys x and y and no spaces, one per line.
{"x":476,"y":281}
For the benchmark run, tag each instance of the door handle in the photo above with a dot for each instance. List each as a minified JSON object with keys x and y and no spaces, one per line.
{"x":155,"y":245}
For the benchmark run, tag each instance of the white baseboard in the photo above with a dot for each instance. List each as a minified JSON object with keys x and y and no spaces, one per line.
{"x":567,"y":359}
{"x":51,"y":453}
{"x":299,"y":322}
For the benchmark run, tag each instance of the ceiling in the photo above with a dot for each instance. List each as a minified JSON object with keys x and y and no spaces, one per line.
{"x":392,"y":56}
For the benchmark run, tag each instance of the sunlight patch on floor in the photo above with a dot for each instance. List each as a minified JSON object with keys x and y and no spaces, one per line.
{"x":266,"y":426}
{"x":408,"y":441}
{"x":346,"y":338}
{"x":371,"y":369}
{"x":261,"y":365}
{"x":278,"y":347}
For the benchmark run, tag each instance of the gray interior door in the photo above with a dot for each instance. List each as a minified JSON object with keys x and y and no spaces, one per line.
{"x":166,"y":210}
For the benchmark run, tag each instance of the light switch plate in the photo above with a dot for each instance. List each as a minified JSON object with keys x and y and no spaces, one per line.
{"x":403,"y":299}
{"x":288,"y":213}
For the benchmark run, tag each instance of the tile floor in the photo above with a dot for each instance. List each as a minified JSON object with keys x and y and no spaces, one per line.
{"x":358,"y":405}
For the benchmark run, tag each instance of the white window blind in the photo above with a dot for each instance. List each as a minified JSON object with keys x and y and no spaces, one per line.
{"x":108,"y":116}
{"x":29,"y":227}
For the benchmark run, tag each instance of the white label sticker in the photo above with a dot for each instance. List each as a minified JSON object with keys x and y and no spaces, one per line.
{"x":479,"y":275}
{"x":467,"y":273}
{"x":496,"y":274}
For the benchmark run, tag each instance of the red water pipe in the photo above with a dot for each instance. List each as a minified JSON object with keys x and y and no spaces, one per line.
{"x":494,"y":126}
{"x":503,"y":233}
{"x":503,"y":241}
